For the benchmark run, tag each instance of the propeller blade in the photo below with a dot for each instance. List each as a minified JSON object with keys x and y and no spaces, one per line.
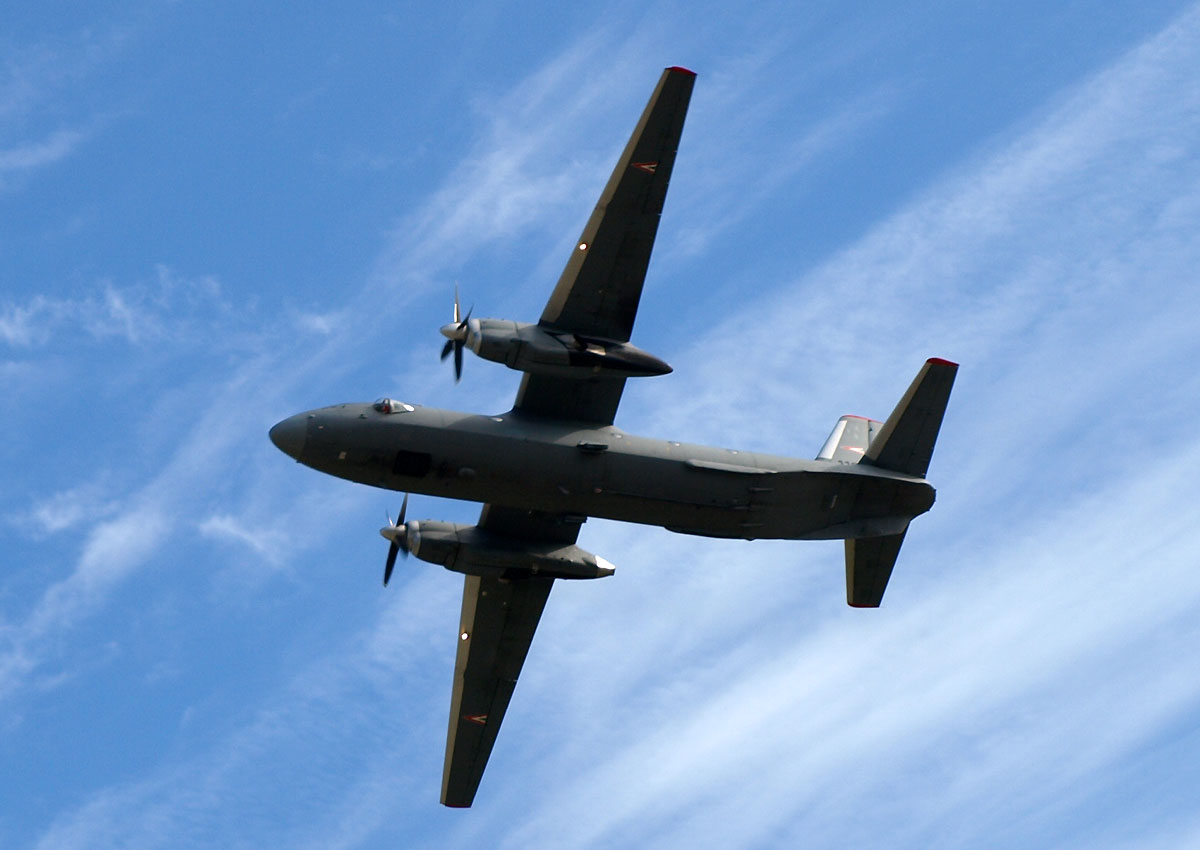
{"x":456,"y":334}
{"x":391,"y":561}
{"x":399,"y":541}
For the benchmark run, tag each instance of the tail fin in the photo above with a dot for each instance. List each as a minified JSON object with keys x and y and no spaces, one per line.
{"x":905,"y":442}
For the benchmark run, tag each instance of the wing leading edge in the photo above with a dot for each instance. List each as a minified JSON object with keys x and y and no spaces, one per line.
{"x":601,"y":286}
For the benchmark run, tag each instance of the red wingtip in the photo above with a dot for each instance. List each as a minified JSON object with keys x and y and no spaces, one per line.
{"x":682,"y":70}
{"x":940,"y":362}
{"x":860,"y":605}
{"x":854,"y":416}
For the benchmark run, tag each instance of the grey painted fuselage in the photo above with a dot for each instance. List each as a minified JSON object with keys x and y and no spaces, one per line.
{"x":575,"y":472}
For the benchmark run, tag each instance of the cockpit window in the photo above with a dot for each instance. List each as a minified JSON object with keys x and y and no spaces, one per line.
{"x":389,"y":405}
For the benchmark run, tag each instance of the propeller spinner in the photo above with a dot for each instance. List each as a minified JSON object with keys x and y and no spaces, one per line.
{"x":456,"y":337}
{"x":397,"y":533}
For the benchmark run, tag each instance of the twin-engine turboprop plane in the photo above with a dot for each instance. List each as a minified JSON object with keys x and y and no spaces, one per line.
{"x":542,"y":468}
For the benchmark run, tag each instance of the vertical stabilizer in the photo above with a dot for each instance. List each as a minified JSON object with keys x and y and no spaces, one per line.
{"x":905,"y":442}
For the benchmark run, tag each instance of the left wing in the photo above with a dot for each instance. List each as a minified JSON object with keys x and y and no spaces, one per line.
{"x":599,"y":290}
{"x":498,"y":620}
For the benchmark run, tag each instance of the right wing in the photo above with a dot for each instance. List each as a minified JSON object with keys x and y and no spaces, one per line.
{"x":601,"y":286}
{"x":499,"y":618}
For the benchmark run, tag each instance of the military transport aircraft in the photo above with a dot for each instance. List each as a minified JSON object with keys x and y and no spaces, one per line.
{"x":542,"y":468}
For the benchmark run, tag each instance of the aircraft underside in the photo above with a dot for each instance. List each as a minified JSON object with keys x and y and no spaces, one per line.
{"x":573,"y":473}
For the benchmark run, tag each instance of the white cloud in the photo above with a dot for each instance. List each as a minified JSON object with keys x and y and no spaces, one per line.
{"x":318,"y":723}
{"x":31,"y":155}
{"x":169,"y":306}
{"x":112,"y":549}
{"x":70,"y":509}
{"x":321,"y":324}
{"x":1046,"y":659}
{"x":179,"y":308}
{"x":268,"y":543}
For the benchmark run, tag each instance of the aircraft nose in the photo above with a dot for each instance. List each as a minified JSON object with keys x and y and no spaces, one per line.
{"x":290,"y":435}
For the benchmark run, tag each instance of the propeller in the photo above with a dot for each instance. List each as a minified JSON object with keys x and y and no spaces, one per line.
{"x":396,"y":532}
{"x":456,"y":337}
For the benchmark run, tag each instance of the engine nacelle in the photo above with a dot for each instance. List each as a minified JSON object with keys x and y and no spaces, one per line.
{"x":467,"y":549}
{"x":532,"y":348}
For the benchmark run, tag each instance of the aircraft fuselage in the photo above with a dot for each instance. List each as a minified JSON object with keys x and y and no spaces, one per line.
{"x":576,"y":472}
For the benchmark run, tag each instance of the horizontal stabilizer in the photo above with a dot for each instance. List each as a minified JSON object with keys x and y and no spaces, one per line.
{"x":869,"y":562}
{"x":905,"y":442}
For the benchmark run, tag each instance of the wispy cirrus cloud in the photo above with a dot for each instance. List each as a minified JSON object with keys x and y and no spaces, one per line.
{"x":31,"y":76}
{"x":112,"y":549}
{"x":26,"y":157}
{"x":65,"y":510}
{"x":1004,"y":683}
{"x":318,"y":722}
{"x":267,"y":543}
{"x":180,"y":308}
{"x":513,"y":177}
{"x":1038,"y":659}
{"x":168,"y":304}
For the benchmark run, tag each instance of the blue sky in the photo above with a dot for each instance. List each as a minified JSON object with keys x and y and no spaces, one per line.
{"x":214,"y":217}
